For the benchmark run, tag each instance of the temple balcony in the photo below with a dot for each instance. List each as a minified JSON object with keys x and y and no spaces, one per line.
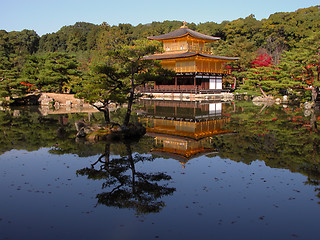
{"x":194,"y":49}
{"x":179,"y":89}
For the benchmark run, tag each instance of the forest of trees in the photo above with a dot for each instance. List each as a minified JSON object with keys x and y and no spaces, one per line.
{"x":280,"y":54}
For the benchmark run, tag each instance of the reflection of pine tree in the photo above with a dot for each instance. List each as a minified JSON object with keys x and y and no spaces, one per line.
{"x":128,"y":188}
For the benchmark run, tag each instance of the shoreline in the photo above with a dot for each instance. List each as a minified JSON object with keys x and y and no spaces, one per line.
{"x":188,"y":96}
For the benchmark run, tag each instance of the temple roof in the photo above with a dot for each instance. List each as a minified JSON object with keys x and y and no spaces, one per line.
{"x":182,"y":158}
{"x":182,"y":32}
{"x":184,"y":55}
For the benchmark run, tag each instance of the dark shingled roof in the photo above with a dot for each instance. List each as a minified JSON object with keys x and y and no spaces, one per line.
{"x":184,"y":31}
{"x":185,"y":55}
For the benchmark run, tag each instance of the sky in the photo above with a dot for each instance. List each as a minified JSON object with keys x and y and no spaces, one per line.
{"x":45,"y":16}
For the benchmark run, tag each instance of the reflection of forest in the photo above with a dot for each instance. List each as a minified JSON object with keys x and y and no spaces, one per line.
{"x":284,"y":137}
{"x":183,"y":130}
{"x":27,"y":129}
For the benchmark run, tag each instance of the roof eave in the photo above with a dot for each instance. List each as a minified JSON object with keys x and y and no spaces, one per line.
{"x":173,"y":56}
{"x":167,"y":56}
{"x":168,"y":38}
{"x":184,"y":35}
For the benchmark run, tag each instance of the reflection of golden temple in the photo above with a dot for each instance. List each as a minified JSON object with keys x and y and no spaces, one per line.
{"x":184,"y":131}
{"x":194,"y":130}
{"x":182,"y":149}
{"x":183,"y":110}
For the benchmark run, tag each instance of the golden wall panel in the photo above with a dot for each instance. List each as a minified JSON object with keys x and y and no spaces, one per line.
{"x":195,"y":64}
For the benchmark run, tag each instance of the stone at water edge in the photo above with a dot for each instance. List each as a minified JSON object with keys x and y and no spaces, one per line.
{"x":308,"y":105}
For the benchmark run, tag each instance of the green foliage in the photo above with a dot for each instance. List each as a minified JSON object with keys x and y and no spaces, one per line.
{"x":21,"y":43}
{"x":292,"y":27}
{"x":283,"y":31}
{"x":135,"y":70}
{"x":116,"y":80}
{"x":31,"y":70}
{"x":299,"y":68}
{"x":292,"y":34}
{"x":10,"y":85}
{"x":241,"y":47}
{"x":15,"y":47}
{"x":248,"y":27}
{"x":303,"y":62}
{"x":102,"y":86}
{"x":52,"y":72}
{"x":270,"y":79}
{"x":79,"y":37}
{"x":213,"y":29}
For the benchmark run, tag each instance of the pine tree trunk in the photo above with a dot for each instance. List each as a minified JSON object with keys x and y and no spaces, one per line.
{"x":105,"y":110}
{"x":106,"y":114}
{"x":60,"y":87}
{"x":107,"y":156}
{"x":314,"y":125}
{"x":129,"y":108}
{"x":234,"y":83}
{"x":263,"y":93}
{"x":130,"y":102}
{"x":314,"y":94}
{"x":132,"y":166}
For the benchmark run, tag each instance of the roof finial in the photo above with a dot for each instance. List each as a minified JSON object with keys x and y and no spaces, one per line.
{"x":184,"y":25}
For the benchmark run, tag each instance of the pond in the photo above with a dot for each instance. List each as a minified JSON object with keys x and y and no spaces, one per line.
{"x":205,"y":170}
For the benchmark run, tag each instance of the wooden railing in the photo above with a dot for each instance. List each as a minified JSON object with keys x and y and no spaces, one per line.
{"x":179,"y":89}
{"x":195,"y":49}
{"x":200,"y":49}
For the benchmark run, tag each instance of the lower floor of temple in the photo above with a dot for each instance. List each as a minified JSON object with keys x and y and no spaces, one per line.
{"x":188,"y":82}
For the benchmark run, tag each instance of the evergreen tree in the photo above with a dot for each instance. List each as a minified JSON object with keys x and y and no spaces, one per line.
{"x":266,"y":80}
{"x":136,"y":71}
{"x":15,"y":47}
{"x":303,"y":65}
{"x":56,"y":73}
{"x":101,"y":87}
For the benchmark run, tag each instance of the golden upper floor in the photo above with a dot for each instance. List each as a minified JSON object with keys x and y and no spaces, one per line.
{"x":185,"y":50}
{"x":184,"y":40}
{"x":186,"y":44}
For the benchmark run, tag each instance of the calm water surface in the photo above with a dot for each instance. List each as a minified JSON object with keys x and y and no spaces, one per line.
{"x":204,"y":170}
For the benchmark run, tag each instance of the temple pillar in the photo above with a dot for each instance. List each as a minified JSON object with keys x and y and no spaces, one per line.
{"x":175,"y":82}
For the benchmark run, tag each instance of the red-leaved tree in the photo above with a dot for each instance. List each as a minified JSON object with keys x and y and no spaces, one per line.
{"x":262,"y":60}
